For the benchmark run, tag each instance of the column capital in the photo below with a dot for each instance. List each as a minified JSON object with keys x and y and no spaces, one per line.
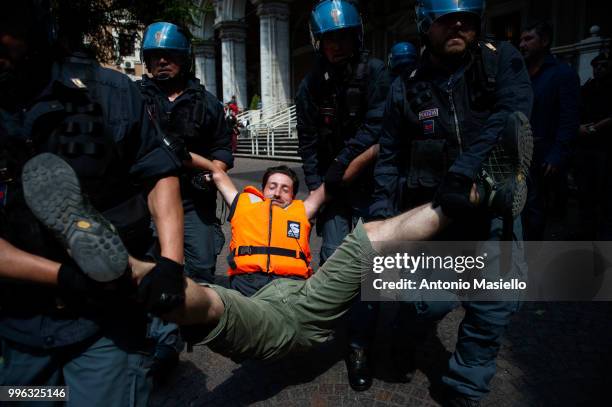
{"x":205,"y":48}
{"x":272,"y":8}
{"x":232,"y":30}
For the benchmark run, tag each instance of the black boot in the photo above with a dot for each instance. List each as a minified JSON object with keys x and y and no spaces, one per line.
{"x":358,"y":369}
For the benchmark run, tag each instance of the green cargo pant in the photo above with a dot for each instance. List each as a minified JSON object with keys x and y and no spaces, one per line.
{"x":288,"y":315}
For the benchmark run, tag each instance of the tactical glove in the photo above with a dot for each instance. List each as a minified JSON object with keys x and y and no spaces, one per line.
{"x":453,"y":195}
{"x":163,"y":288}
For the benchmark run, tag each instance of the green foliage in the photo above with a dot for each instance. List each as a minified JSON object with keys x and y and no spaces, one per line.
{"x":93,"y":22}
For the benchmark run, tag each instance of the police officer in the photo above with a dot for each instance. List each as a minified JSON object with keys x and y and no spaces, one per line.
{"x":441,"y":123}
{"x":57,"y":325}
{"x":402,"y":58}
{"x":185,"y":109}
{"x":339,"y":111}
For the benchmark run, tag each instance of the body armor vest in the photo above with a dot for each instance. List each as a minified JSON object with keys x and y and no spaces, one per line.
{"x":440,"y":116}
{"x":342,"y":106}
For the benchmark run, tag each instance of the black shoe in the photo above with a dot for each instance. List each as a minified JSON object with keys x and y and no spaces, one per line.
{"x":502,"y":181}
{"x":358,"y":369}
{"x":52,"y":191}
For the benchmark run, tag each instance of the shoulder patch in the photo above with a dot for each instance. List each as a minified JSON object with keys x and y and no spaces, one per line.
{"x":491,"y":46}
{"x":78,"y":83}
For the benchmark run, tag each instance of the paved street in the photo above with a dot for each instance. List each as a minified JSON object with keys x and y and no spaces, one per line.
{"x":555,"y":354}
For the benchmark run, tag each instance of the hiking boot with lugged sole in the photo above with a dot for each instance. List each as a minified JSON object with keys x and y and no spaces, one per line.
{"x":502,"y":181}
{"x":53,"y":193}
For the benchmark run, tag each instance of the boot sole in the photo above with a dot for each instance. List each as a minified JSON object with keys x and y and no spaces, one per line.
{"x":517,"y":152}
{"x":53,"y":194}
{"x":523,"y":154}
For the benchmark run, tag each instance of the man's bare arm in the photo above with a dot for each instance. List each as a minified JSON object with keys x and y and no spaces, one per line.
{"x":361,"y":162}
{"x":166,"y":208}
{"x":222,"y":181}
{"x":221,"y":165}
{"x":19,"y":265}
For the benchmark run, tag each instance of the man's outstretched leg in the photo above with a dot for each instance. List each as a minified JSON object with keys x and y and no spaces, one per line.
{"x":286,"y":314}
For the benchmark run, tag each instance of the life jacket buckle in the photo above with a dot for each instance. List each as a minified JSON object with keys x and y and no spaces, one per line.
{"x":245,"y":251}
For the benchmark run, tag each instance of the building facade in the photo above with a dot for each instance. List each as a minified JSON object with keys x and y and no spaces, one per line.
{"x":249,"y":47}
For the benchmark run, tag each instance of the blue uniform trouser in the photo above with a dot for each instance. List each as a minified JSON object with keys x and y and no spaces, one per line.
{"x":335,"y":222}
{"x":472,"y":365}
{"x":203,"y":242}
{"x":97,"y":372}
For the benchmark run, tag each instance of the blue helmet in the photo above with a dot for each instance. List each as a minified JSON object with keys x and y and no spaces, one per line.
{"x":428,"y":11}
{"x":165,"y":36}
{"x":333,"y":15}
{"x":402,"y":54}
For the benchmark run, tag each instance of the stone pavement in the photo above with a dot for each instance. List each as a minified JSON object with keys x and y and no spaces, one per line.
{"x":555,"y":354}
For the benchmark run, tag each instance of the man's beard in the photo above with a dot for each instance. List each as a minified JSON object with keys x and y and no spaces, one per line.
{"x":456,"y":56}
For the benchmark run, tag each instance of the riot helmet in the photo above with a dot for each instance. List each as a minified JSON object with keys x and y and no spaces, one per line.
{"x":402,"y":55}
{"x":334,"y":15}
{"x":164,"y":36}
{"x":428,"y":11}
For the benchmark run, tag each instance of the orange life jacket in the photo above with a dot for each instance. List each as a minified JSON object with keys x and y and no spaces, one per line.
{"x":267,"y":238}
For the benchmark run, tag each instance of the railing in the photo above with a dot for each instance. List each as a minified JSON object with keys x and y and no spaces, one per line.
{"x":282,"y":122}
{"x":257,"y":115}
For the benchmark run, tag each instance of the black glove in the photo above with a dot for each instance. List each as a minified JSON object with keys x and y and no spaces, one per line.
{"x":453,"y":195}
{"x":333,"y":177}
{"x":76,"y":286}
{"x":163,"y":288}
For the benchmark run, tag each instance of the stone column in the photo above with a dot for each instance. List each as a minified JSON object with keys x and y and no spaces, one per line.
{"x":233,"y":61}
{"x":205,"y":65}
{"x":274,"y":51}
